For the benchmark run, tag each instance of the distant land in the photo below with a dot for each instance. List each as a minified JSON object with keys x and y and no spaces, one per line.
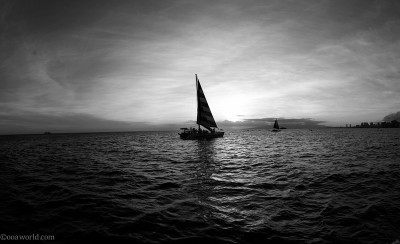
{"x":384,"y":124}
{"x":389,"y":121}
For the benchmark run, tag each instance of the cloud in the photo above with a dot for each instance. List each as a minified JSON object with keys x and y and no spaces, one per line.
{"x":135,"y":60}
{"x":391,"y":117}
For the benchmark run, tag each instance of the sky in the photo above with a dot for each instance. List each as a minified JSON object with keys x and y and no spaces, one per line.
{"x":94,"y":65}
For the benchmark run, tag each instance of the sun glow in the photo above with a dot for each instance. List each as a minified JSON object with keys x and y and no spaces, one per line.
{"x":232,"y":108}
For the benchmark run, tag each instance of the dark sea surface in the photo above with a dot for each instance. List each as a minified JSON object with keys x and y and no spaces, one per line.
{"x":252,"y":186}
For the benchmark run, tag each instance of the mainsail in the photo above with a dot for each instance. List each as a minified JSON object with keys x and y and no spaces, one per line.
{"x":204,"y":118}
{"x":204,"y":115}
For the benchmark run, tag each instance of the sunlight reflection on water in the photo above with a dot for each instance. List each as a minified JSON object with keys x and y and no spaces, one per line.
{"x":251,"y":185}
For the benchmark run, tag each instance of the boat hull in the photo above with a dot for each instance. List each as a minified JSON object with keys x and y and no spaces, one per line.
{"x":200,"y":136}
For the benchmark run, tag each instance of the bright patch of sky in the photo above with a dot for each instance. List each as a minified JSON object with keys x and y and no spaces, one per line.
{"x":130,"y":65}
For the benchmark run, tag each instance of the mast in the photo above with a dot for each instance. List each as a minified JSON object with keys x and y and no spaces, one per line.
{"x":197,"y":99}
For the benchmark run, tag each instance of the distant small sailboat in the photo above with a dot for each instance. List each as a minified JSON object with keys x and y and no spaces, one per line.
{"x":276,"y":126}
{"x":204,"y":118}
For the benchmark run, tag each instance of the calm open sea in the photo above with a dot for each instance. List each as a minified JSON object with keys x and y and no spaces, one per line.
{"x":252,"y":186}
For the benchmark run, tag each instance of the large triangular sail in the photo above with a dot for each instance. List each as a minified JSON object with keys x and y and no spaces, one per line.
{"x":204,"y":115}
{"x":204,"y":118}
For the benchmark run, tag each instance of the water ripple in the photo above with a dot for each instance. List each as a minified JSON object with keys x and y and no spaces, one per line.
{"x":252,"y":186}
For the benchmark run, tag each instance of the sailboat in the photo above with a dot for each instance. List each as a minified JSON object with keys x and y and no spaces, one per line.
{"x":204,"y":119}
{"x":276,"y":126}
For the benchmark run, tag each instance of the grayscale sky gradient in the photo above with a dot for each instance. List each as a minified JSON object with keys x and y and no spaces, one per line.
{"x":73,"y":66}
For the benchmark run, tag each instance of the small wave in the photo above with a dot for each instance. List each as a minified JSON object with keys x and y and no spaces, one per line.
{"x":372,"y":211}
{"x":284,"y":215}
{"x":300,"y":187}
{"x":200,"y":240}
{"x":167,"y":185}
{"x":331,"y":210}
{"x":307,"y":155}
{"x":264,"y":185}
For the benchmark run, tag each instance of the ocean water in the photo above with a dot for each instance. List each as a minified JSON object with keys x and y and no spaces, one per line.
{"x":252,"y":186}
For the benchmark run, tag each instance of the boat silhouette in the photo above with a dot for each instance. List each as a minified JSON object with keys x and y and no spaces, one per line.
{"x":276,"y":126}
{"x":204,"y":119}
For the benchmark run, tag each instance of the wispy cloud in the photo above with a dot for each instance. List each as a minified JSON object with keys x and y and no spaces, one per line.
{"x":135,"y":61}
{"x":392,"y":116}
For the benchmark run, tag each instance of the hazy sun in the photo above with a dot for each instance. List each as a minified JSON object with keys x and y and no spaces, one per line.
{"x":231,"y":108}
